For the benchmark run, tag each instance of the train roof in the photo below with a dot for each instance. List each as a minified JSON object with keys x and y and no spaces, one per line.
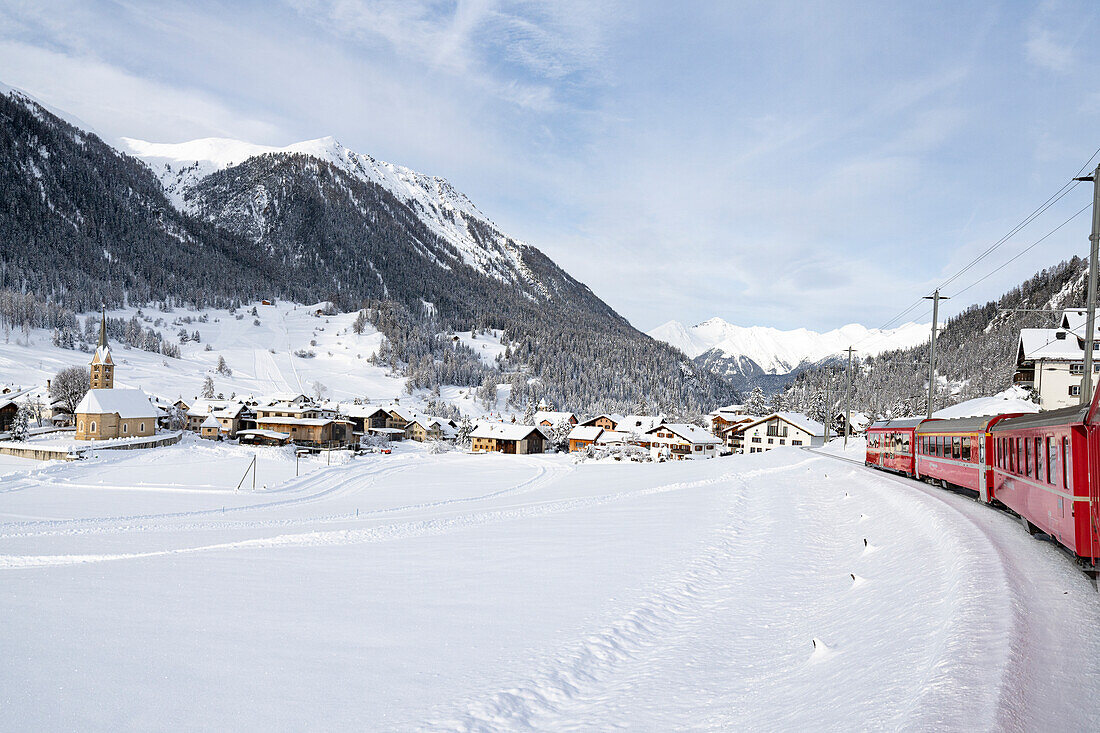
{"x":901,"y":422}
{"x":1074,"y":415}
{"x":976,"y":424}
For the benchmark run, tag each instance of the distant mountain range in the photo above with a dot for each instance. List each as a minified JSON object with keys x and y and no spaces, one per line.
{"x":767,"y":357}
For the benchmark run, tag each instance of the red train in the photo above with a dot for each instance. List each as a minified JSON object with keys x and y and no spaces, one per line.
{"x":1045,"y":467}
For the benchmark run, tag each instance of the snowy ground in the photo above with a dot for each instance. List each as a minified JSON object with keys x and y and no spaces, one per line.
{"x":461,"y":592}
{"x":261,"y":357}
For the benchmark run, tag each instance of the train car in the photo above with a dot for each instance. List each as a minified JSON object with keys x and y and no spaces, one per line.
{"x":955,"y":451}
{"x":1046,"y":468}
{"x":890,"y":444}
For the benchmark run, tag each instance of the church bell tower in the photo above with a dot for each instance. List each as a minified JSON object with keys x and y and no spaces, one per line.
{"x":103,"y":367}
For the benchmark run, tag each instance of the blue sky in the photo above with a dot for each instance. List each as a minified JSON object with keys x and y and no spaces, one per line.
{"x":783,"y":163}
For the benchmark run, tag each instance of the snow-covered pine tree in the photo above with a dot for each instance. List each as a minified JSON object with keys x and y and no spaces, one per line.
{"x":360,"y":323}
{"x":465,"y":427}
{"x":21,"y":423}
{"x":757,"y":404}
{"x":529,"y":414}
{"x":559,"y":435}
{"x":223,"y":368}
{"x":208,"y":388}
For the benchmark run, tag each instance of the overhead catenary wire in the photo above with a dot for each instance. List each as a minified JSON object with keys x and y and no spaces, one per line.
{"x":1035,"y":213}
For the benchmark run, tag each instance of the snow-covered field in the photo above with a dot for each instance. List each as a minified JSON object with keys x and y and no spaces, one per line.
{"x":462,"y":592}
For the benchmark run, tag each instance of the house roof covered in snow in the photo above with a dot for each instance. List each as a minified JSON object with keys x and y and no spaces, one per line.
{"x":1049,"y":343}
{"x":638,"y":423}
{"x":360,"y":410}
{"x":504,"y":431}
{"x":611,"y":437}
{"x":211,"y":422}
{"x":127,"y":403}
{"x":614,"y":417}
{"x":691,"y":433}
{"x":585,"y":432}
{"x":800,"y":421}
{"x":553,"y":417}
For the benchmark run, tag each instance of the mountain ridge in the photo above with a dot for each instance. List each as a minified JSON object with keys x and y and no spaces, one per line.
{"x":778,"y":352}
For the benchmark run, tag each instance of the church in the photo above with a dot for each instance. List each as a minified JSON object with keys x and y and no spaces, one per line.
{"x":106,"y":412}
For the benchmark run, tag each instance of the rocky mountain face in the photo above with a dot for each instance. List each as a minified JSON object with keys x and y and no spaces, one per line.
{"x":216,"y":222}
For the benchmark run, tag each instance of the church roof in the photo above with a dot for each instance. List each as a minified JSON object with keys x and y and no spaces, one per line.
{"x":102,"y":355}
{"x":128,"y":403}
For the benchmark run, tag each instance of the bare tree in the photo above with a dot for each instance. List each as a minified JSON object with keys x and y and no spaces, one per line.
{"x":69,"y":387}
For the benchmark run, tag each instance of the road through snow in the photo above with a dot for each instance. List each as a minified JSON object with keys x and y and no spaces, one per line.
{"x":454,"y":592}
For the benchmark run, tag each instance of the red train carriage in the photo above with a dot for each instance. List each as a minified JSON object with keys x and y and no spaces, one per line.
{"x":890,"y":444}
{"x":1046,"y":468}
{"x":955,"y":451}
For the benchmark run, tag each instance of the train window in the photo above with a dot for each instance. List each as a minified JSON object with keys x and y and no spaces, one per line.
{"x":1019,"y":467}
{"x":1052,"y":460}
{"x":1039,"y":458}
{"x":1028,"y":470}
{"x":1067,"y":465}
{"x":965,"y":454}
{"x":906,"y":446}
{"x":955,"y":447}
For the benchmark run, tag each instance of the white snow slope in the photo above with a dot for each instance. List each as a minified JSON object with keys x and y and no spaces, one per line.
{"x":261,"y":357}
{"x":461,"y":592}
{"x":779,"y":352}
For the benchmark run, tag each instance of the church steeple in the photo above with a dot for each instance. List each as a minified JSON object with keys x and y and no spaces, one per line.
{"x":103,"y":367}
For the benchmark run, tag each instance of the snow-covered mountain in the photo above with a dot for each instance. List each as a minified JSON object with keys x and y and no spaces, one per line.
{"x":446,"y":211}
{"x":216,"y":222}
{"x":781,"y":352}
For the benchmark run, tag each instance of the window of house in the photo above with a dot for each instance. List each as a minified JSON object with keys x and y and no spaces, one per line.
{"x":1075,"y":390}
{"x":91,"y":427}
{"x":1076,"y":368}
{"x":796,"y":442}
{"x":771,"y":440}
{"x":125,"y":427}
{"x":698,"y":448}
{"x":81,"y":425}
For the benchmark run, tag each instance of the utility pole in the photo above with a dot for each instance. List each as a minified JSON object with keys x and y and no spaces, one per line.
{"x":1090,"y":322}
{"x":848,"y":399}
{"x":935,"y":297}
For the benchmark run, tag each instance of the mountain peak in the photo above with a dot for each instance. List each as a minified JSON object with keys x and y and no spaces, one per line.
{"x":780,"y":352}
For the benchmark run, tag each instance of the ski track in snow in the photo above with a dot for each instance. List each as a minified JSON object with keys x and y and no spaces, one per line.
{"x":332,"y":481}
{"x":377,"y":534}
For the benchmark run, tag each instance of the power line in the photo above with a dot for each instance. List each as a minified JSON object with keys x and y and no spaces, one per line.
{"x":1025,"y":250}
{"x":1036,"y":213}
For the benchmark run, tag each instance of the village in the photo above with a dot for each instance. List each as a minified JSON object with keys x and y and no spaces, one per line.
{"x":110,"y":417}
{"x":1049,"y":367}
